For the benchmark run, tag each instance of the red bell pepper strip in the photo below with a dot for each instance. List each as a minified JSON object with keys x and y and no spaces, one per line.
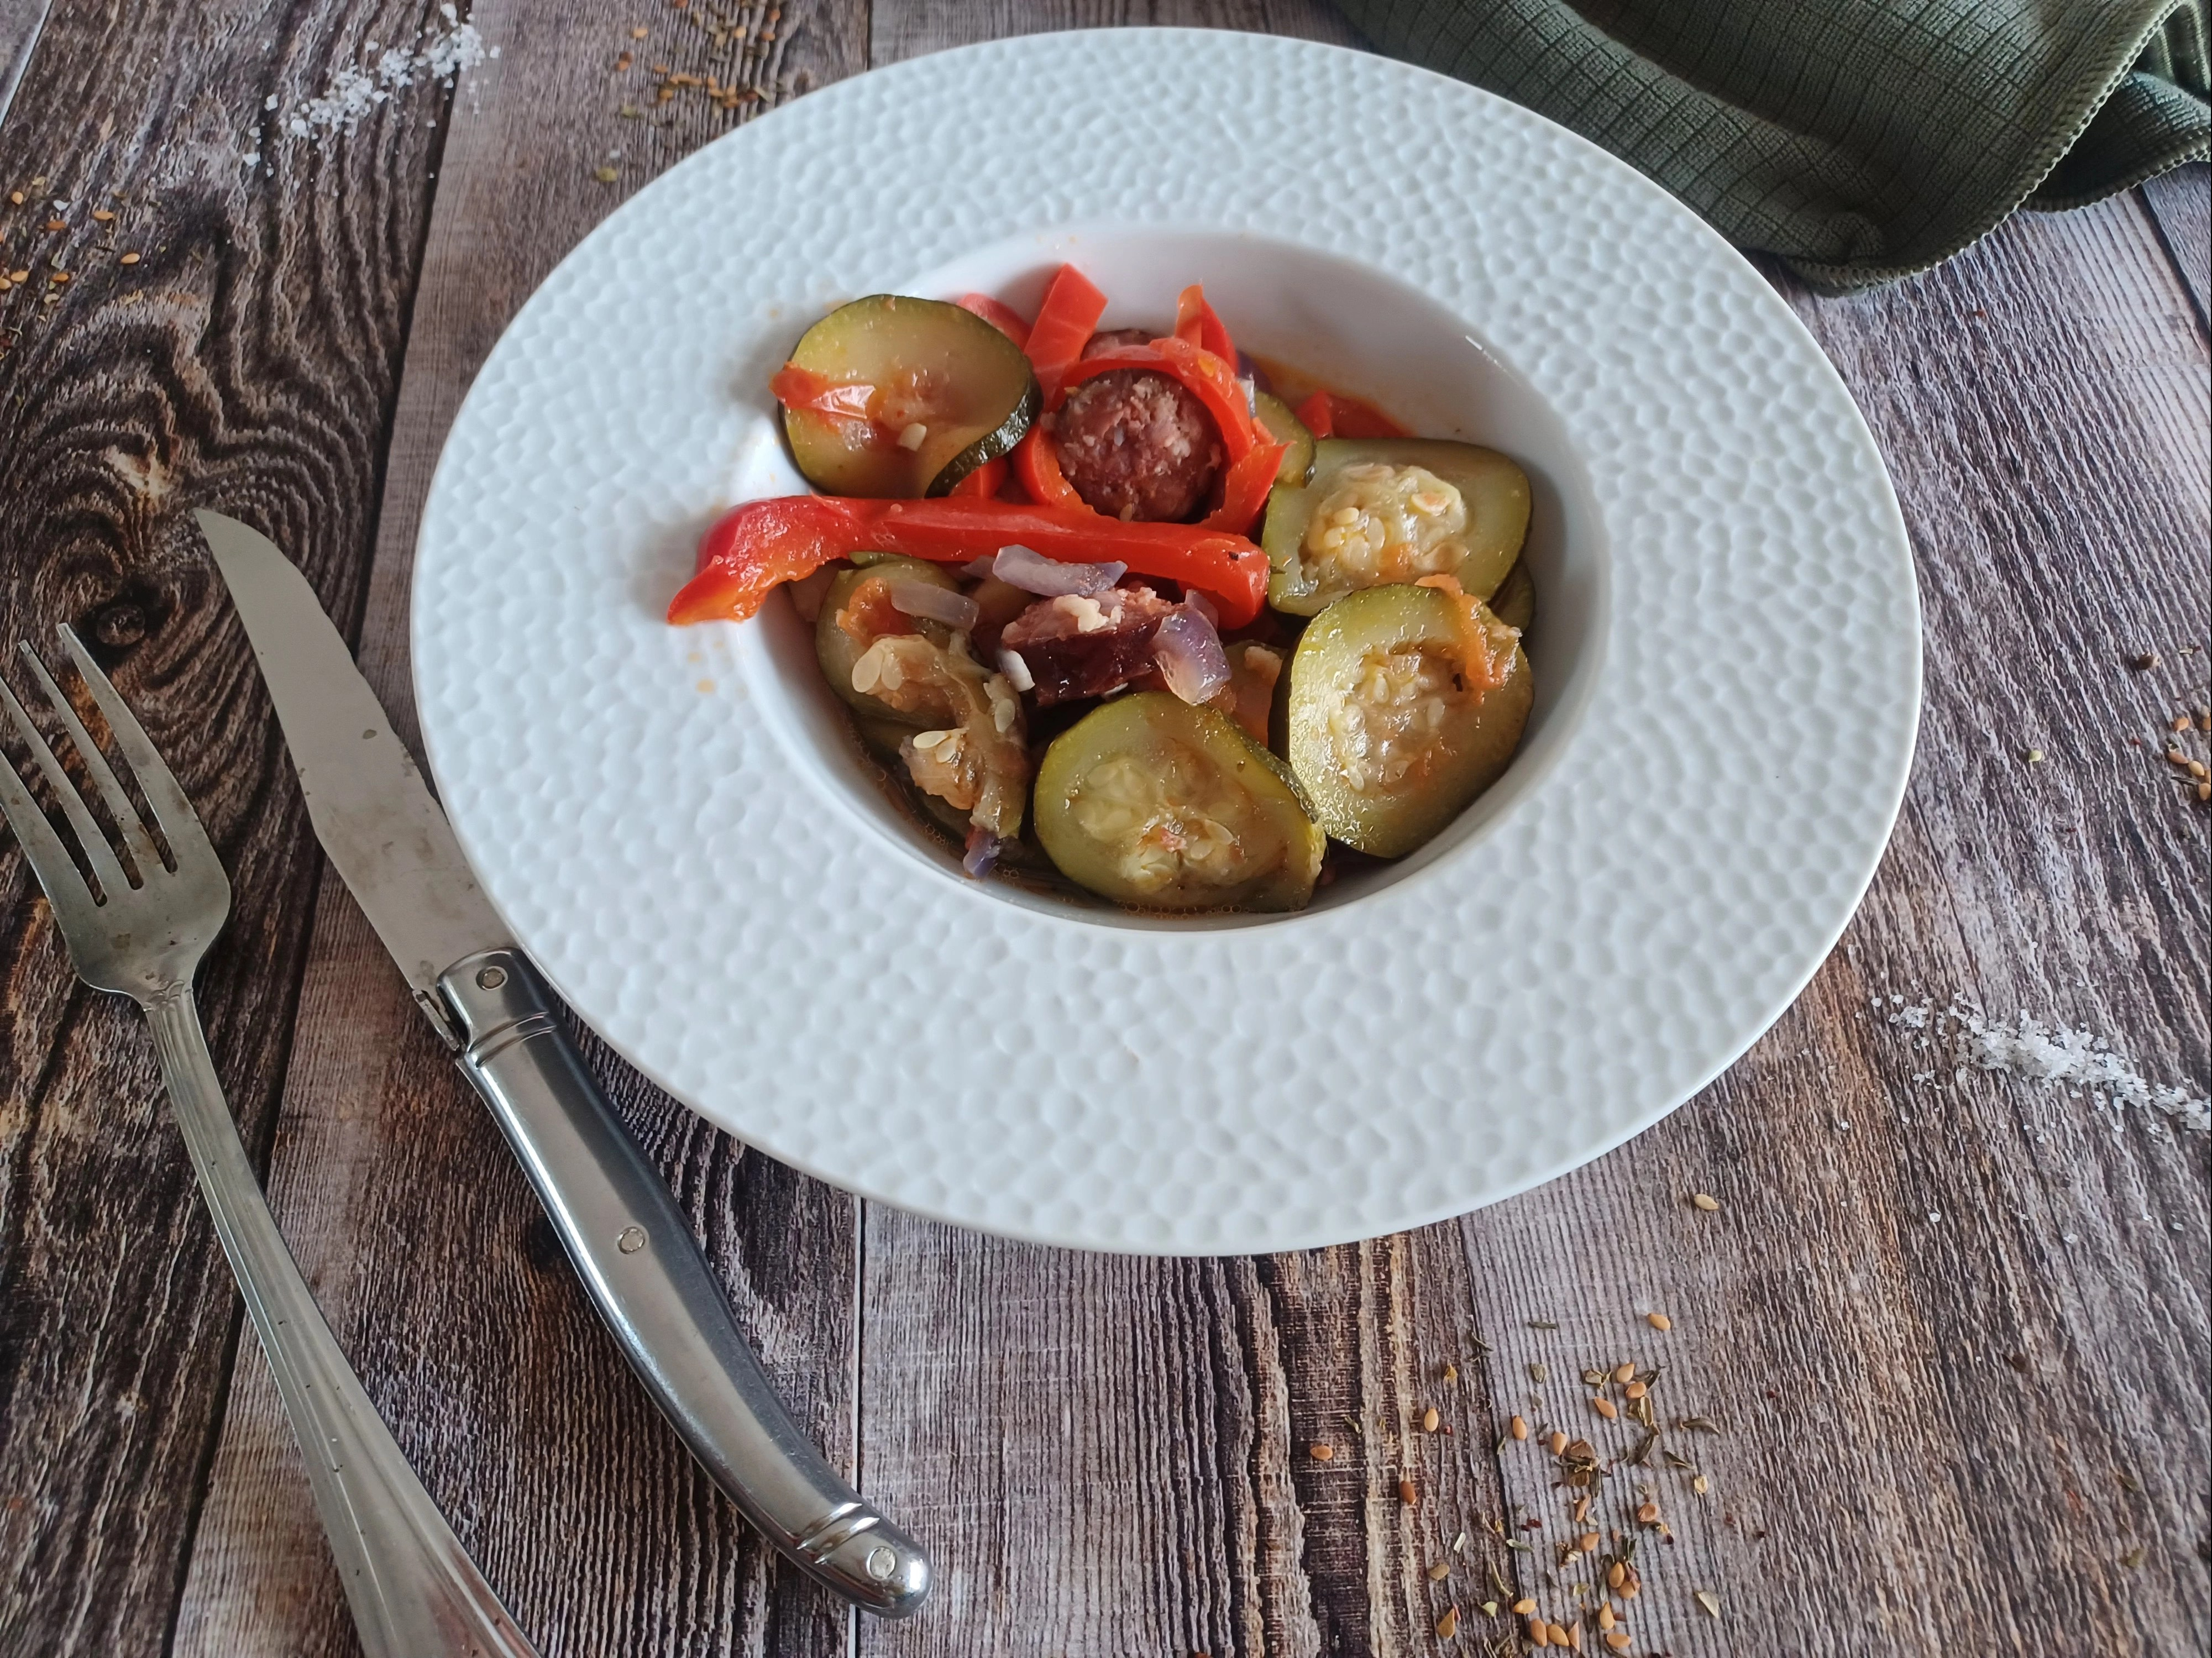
{"x":1197,"y":324}
{"x":1064,"y":326}
{"x":802,"y":388}
{"x":764,"y":544}
{"x":1004,"y":318}
{"x":984,"y":481}
{"x":1244,"y":489}
{"x":1037,"y":464}
{"x":1332,"y":415}
{"x":1210,"y":379}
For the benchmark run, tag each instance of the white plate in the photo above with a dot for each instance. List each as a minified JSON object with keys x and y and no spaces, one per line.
{"x":1726,"y":646}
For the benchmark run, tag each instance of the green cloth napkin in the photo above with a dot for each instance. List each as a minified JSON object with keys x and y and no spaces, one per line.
{"x":1861,"y":140}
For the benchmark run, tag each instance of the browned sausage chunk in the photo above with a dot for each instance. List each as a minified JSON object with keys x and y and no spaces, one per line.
{"x":1138,"y":444}
{"x":1076,"y":648}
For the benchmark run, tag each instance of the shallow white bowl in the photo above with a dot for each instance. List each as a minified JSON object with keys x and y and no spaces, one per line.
{"x":1727,"y":653}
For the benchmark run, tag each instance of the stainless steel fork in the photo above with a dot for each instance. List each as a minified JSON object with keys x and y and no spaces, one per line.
{"x":414,"y":1591}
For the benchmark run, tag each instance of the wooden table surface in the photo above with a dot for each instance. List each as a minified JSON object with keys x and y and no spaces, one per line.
{"x":1947,"y":1339}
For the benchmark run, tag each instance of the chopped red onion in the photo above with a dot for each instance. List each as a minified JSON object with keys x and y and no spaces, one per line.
{"x":1189,"y":652}
{"x":913,"y":597}
{"x":1033,"y":573}
{"x":983,"y":849}
{"x":976,"y":569}
{"x":1017,"y":671}
{"x":1204,"y":605}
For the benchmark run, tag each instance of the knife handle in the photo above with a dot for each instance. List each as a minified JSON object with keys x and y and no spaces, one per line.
{"x":634,"y":1249}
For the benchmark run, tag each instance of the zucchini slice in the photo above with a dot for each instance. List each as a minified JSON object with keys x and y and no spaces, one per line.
{"x":1418,"y":507}
{"x":949,"y":392}
{"x":1393,"y":727}
{"x":1160,"y":806}
{"x":1286,"y":428}
{"x":837,"y":650}
{"x":1514,"y":601}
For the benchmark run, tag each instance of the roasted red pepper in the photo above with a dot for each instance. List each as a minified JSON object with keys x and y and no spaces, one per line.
{"x":1036,"y":464}
{"x":802,"y":388}
{"x":764,"y":544}
{"x":984,"y":481}
{"x":1064,"y":325}
{"x":1328,"y":414}
{"x":1244,"y":489}
{"x":1004,"y":318}
{"x":1196,"y":325}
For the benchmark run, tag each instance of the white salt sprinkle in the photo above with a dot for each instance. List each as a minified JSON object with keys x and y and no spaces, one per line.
{"x":2034,"y":1052}
{"x":356,"y":89}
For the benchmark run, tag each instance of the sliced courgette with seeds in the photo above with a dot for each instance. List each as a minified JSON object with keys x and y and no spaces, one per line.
{"x":1418,"y":506}
{"x":1287,"y":430}
{"x":1405,"y":703}
{"x":1153,"y":803}
{"x":837,"y":650}
{"x":950,"y":392}
{"x":1514,"y":601}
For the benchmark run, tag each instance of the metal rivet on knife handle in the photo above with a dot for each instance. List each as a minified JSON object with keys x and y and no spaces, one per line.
{"x":630,"y":1240}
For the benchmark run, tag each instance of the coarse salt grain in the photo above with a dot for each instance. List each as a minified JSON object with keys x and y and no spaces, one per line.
{"x":2034,"y":1052}
{"x":356,"y":89}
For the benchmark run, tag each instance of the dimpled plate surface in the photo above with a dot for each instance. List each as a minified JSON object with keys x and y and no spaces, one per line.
{"x":1610,"y":944}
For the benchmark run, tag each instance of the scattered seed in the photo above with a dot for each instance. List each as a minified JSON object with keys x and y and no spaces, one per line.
{"x":1701,"y":1485}
{"x":1560,"y":1637}
{"x":606,"y":175}
{"x":1706,"y":1202}
{"x":1659,"y":1320}
{"x":2035,"y":756}
{"x":1709,"y":1602}
{"x":639,"y":33}
{"x":57,"y":224}
{"x":2180,"y":722}
{"x":1635,"y":1390}
{"x":58,"y":278}
{"x":1519,"y":1427}
{"x":1605,"y":1617}
{"x":1581,"y":1510}
{"x":1539,"y":1632}
{"x":1606,"y":1408}
{"x":1623,"y":1371}
{"x":1587,"y":1542}
{"x":1320,"y":1452}
{"x":1407,"y":1494}
{"x":1448,"y":1625}
{"x":1524,"y":1607}
{"x":16,"y":196}
{"x":1429,"y":1420}
{"x":1441,"y":1570}
{"x":1649,"y":1514}
{"x":2204,"y":790}
{"x":2197,"y":768}
{"x":103,"y":216}
{"x":1618,"y":1640}
{"x":1556,"y":1443}
{"x":129,"y":259}
{"x":1614,"y":1574}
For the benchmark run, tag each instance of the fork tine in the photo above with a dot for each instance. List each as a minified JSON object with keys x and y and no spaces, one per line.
{"x":97,"y":851}
{"x":74,"y":909}
{"x":172,"y":810}
{"x":134,"y":837}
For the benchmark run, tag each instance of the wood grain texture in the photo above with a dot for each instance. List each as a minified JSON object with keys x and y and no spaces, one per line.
{"x":427,"y":1251}
{"x":908,"y":28}
{"x":250,"y":359}
{"x":2180,"y":202}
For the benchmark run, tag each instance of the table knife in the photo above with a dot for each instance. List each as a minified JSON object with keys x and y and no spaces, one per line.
{"x":631,"y":1245}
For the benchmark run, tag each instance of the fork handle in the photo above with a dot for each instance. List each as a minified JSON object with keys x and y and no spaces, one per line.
{"x":414,"y":1591}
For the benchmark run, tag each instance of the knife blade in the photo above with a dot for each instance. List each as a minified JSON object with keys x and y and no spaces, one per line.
{"x":391,"y":845}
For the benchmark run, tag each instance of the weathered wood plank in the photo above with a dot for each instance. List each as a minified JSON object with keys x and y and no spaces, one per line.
{"x":251,"y":360}
{"x":427,"y":1251}
{"x":2181,"y":203}
{"x":908,"y":28}
{"x":1941,"y":1322}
